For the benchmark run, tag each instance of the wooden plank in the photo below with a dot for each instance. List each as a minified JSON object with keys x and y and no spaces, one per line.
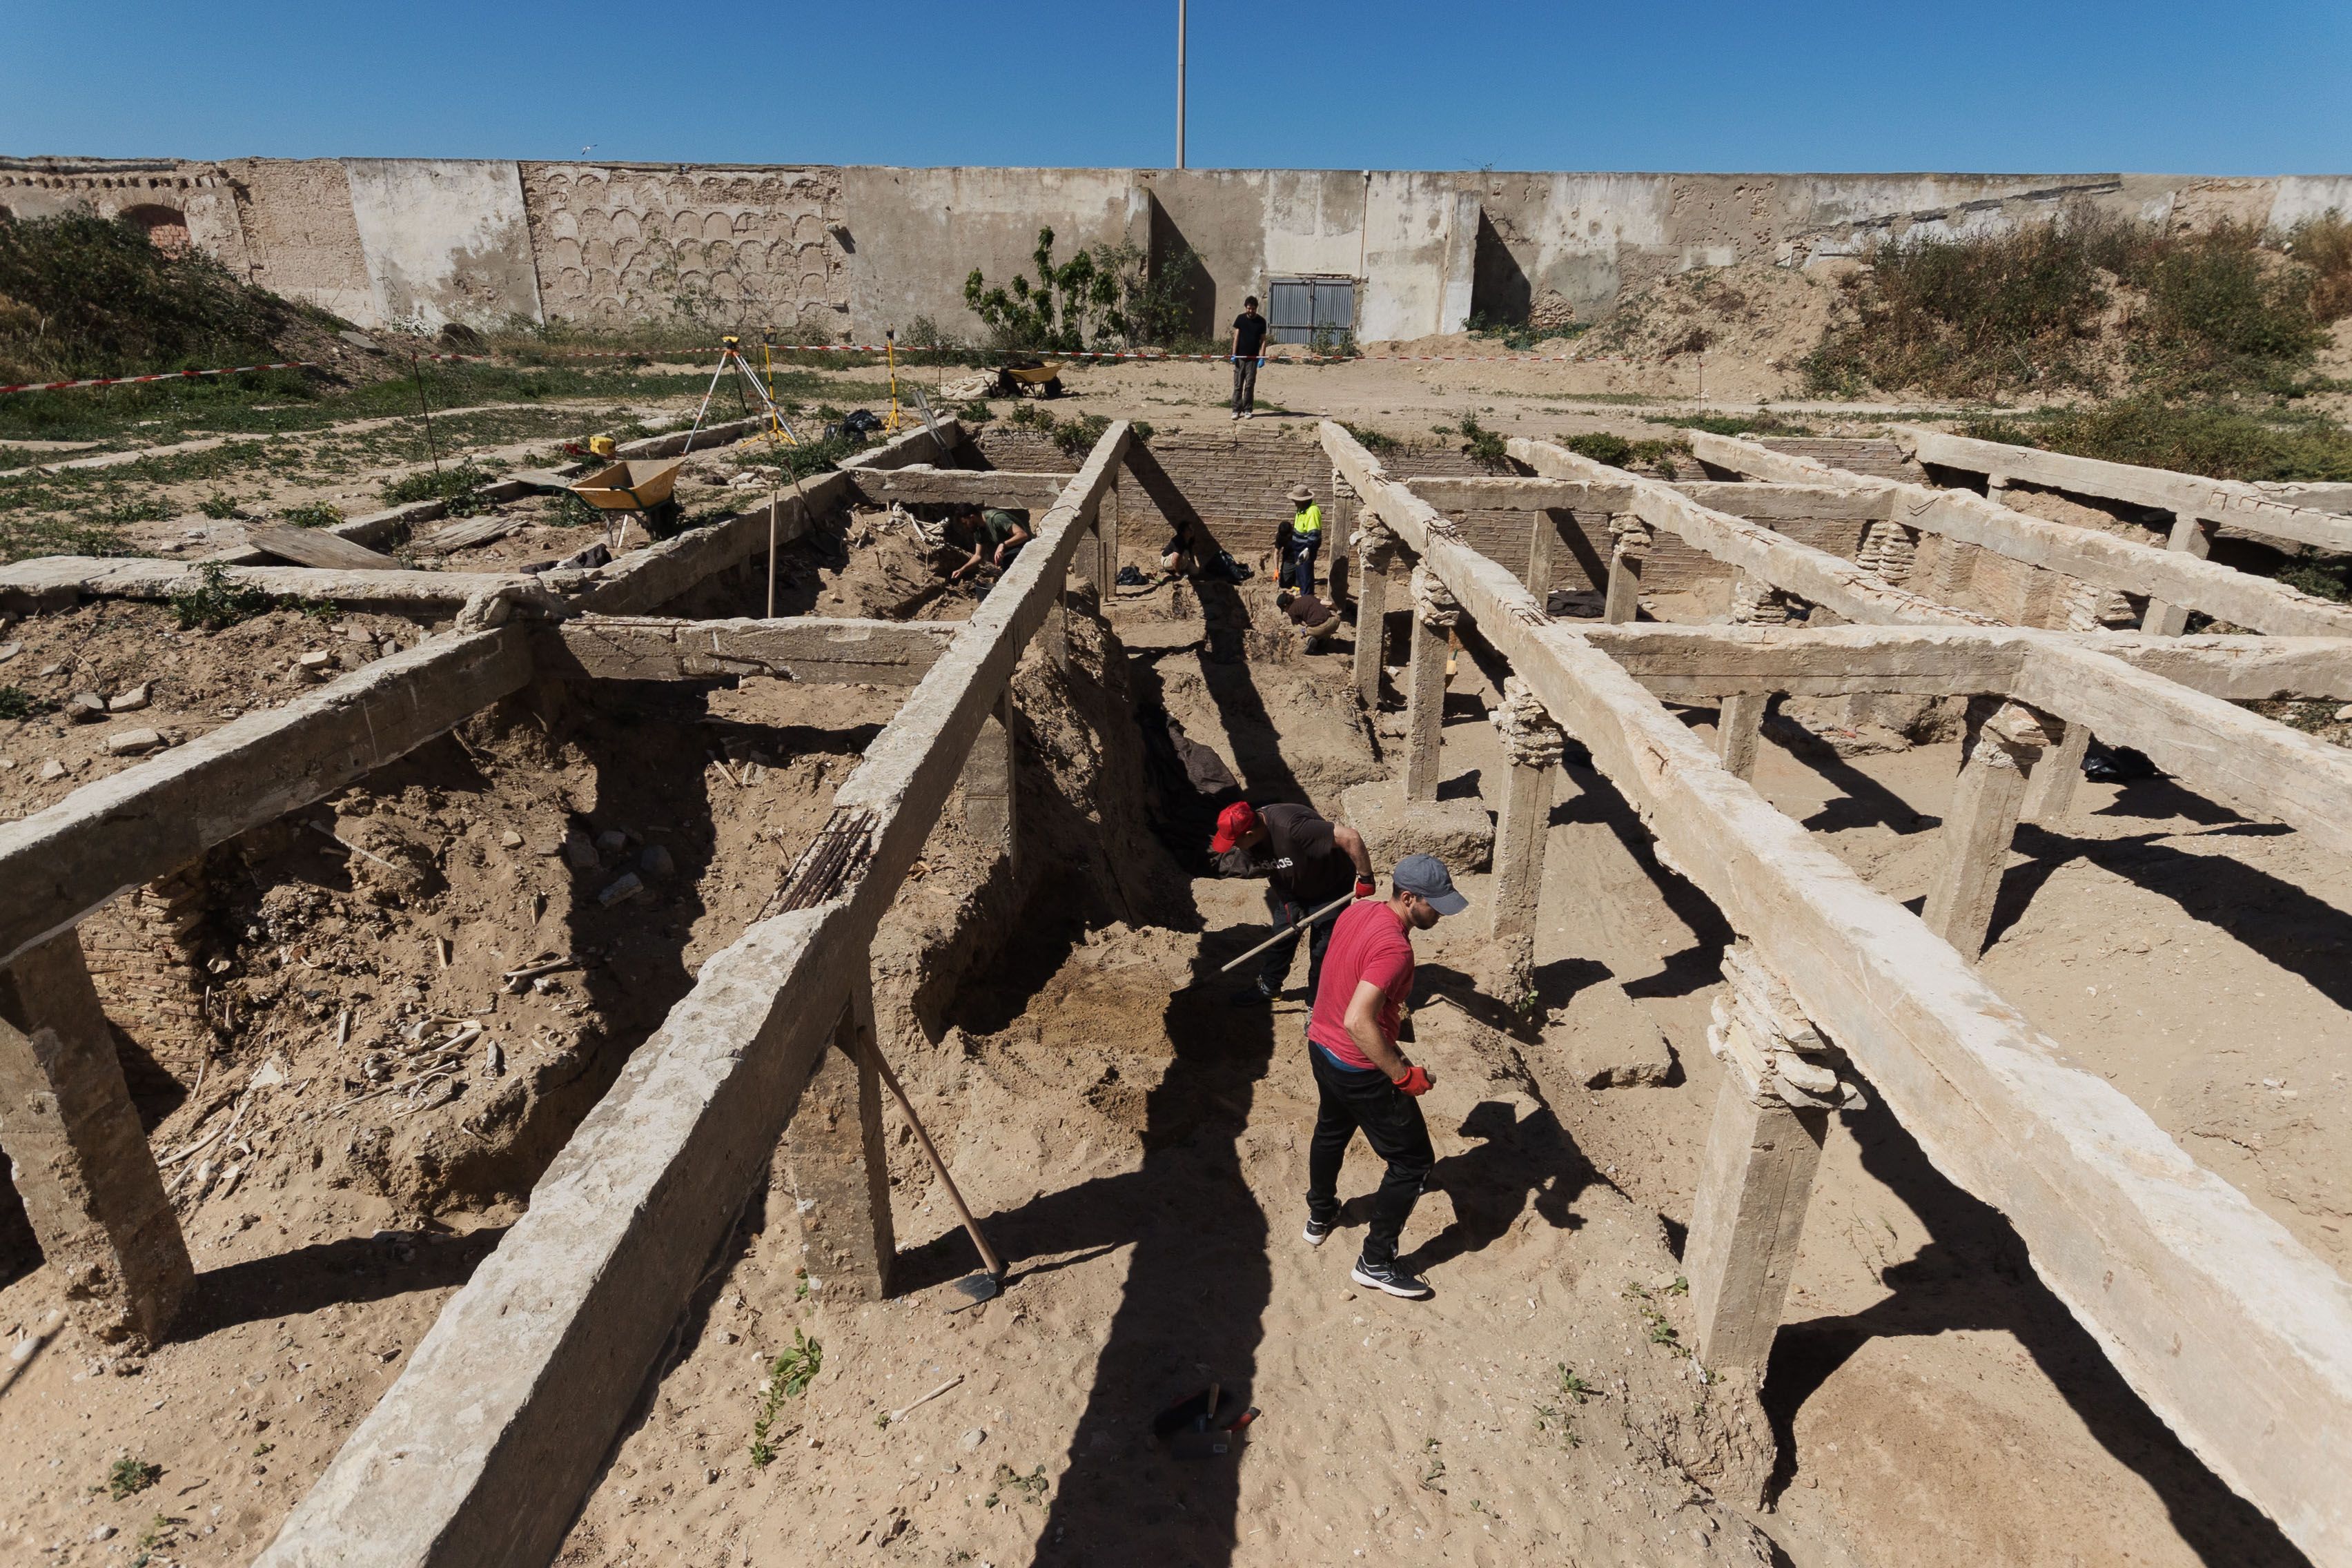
{"x":2235,"y":1333}
{"x":802,"y":647}
{"x":133,"y":827}
{"x":311,"y":547}
{"x":504,"y":1415}
{"x":2177,"y":577}
{"x":2225,"y":501}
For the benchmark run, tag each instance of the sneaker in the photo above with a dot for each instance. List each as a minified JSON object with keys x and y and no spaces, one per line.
{"x":1237,"y":413}
{"x":1250,"y":414}
{"x":1317,"y":1231}
{"x":1388,"y":1277}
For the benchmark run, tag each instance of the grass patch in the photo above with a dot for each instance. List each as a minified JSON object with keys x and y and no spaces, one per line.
{"x":1373,"y":441}
{"x":216,"y":602}
{"x":2220,"y":441}
{"x":2226,"y":310}
{"x":16,"y":703}
{"x":1620,"y":453}
{"x":1520,"y":338}
{"x":313,"y":514}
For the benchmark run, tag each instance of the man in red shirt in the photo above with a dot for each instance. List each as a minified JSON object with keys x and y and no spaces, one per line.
{"x":1364,"y":1079}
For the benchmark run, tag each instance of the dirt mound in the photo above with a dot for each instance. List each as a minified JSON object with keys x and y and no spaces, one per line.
{"x":1745,"y":328}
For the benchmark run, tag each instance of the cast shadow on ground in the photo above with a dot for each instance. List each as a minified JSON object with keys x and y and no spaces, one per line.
{"x":1515,"y":1162}
{"x":1973,"y":1274}
{"x":1695,"y":968}
{"x":2304,"y":935}
{"x":309,"y":1279}
{"x":1862,"y":801}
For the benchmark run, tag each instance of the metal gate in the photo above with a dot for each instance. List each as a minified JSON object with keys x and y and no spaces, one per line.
{"x":1299,"y":308}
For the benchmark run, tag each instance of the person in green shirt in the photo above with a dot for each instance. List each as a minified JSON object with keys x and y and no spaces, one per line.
{"x":996,"y":537}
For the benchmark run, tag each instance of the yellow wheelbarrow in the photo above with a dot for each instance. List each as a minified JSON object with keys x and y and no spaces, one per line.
{"x":1033,"y":378}
{"x":641,"y":489}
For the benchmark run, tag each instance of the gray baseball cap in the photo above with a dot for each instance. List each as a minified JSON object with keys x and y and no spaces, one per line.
{"x":1426,"y":875}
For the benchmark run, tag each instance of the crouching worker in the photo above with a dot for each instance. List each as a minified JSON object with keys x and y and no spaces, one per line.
{"x":1363,"y":1076}
{"x":994,"y":537}
{"x":1306,"y":863}
{"x":1316,"y":620}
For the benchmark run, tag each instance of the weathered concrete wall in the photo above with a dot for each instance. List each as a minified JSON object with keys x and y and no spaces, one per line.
{"x":445,"y":240}
{"x":845,"y":253}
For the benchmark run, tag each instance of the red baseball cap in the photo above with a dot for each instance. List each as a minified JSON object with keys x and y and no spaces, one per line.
{"x":1232,"y":824}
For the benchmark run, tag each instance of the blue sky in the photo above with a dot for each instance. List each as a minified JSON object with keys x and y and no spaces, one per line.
{"x":2160,"y":86}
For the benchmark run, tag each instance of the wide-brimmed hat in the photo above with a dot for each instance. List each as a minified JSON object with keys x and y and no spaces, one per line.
{"x":1300,"y":492}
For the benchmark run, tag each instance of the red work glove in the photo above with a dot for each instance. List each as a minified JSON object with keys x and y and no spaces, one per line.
{"x":1414,"y":1082}
{"x":1365,"y":887}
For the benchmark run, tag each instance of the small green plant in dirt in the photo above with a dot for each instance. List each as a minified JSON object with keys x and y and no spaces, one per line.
{"x":1435,"y":1470}
{"x":1759,"y":424}
{"x":1520,"y":337}
{"x":1660,"y":1331}
{"x":1031,"y":1487}
{"x":1479,"y":443}
{"x":313,"y":514}
{"x":215,"y":603}
{"x":261,"y":1448}
{"x":1373,"y":441}
{"x":454,"y":483}
{"x":975,"y":413}
{"x":145,"y":509}
{"x":217,"y":505}
{"x":1034,"y":417}
{"x":1618,"y":453}
{"x":16,"y":703}
{"x":130,"y":1476}
{"x":1077,"y":438}
{"x":789,"y":1376}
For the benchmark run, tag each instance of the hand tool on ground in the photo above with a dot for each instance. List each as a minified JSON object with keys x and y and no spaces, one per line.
{"x":1333,"y":907}
{"x":979,"y":1287}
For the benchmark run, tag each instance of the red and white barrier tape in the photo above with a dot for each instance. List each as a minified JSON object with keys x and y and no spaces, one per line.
{"x":166,"y":376}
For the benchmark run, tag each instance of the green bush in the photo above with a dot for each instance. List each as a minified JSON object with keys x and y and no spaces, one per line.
{"x":2324,"y":244}
{"x":216,"y":602}
{"x":86,"y":296}
{"x":454,"y":483}
{"x":316,"y":514}
{"x":16,"y":703}
{"x":1601,"y":447}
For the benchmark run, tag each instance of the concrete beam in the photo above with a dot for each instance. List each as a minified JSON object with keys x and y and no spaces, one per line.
{"x":58,"y":581}
{"x":1763,"y":502}
{"x":920,"y":484}
{"x":800,"y":647}
{"x":2178,"y":577}
{"x":133,"y":827}
{"x":1800,"y":569}
{"x":1449,"y":493}
{"x":479,"y":1454}
{"x":2231,"y":1330}
{"x":2225,"y":501}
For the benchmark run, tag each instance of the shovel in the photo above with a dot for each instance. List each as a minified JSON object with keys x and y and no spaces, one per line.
{"x":1293,"y":929}
{"x":975,"y":1288}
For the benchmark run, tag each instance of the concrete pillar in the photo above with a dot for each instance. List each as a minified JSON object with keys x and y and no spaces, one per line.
{"x":1629,"y":547}
{"x":840,"y":1173}
{"x":1339,"y":531}
{"x":2050,"y":788}
{"x":1434,"y":614}
{"x":1054,"y":633}
{"x":1376,"y":548}
{"x":1756,"y":1176}
{"x":1543,"y":536}
{"x":1738,"y":727}
{"x":80,"y":1160}
{"x":990,"y":776}
{"x":2190,"y":535}
{"x":1532,"y":744}
{"x":2004,"y":741}
{"x":1754,"y":1182}
{"x":1106,"y":563}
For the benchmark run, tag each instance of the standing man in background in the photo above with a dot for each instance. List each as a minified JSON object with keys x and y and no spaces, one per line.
{"x":1249,"y":354}
{"x":1362,"y":1076}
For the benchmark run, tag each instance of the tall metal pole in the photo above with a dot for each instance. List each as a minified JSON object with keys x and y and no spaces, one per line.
{"x":1180,"y":83}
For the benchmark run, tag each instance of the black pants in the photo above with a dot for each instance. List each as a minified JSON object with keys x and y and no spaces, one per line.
{"x":1391,"y":1123}
{"x":1277,"y":967}
{"x":1298,"y":563}
{"x":1244,"y":383}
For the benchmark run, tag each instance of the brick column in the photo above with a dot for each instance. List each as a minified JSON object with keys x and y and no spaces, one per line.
{"x":991,"y":809}
{"x":1629,"y":546}
{"x":1434,"y":614}
{"x":840,"y":1175}
{"x":1889,"y":549}
{"x":1376,"y":548}
{"x":1756,"y":1176}
{"x":79,"y":1158}
{"x":2004,"y":743}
